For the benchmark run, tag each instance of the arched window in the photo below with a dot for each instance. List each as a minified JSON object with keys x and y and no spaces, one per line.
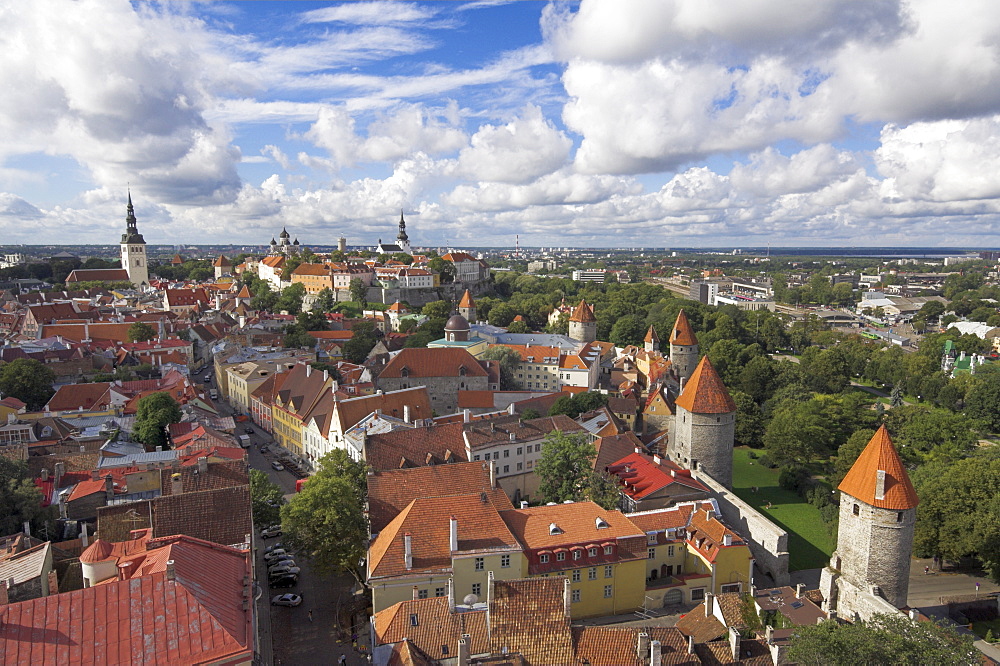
{"x":405,"y":372}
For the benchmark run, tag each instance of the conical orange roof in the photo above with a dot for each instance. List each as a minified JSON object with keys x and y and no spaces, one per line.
{"x":683,"y":334}
{"x":651,"y":335}
{"x":244,"y":293}
{"x":862,"y":481}
{"x":98,"y":551}
{"x":221,"y":261}
{"x":467,"y":301}
{"x":583,"y":313}
{"x":705,"y":393}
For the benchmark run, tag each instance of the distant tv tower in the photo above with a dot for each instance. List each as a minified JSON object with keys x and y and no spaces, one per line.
{"x":517,"y":245}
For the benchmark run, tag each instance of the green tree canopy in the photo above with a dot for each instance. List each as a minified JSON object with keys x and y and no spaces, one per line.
{"x":324,"y":301}
{"x":266,"y":498}
{"x":885,"y":639}
{"x":357,"y":348}
{"x":29,"y":381}
{"x":359,"y":293}
{"x":629,"y":330}
{"x":437,"y":310}
{"x":290,"y":299}
{"x":326,"y":521}
{"x":153,"y":414}
{"x":565,"y":467}
{"x":508,"y":359}
{"x":140,"y":332}
{"x":21,"y":499}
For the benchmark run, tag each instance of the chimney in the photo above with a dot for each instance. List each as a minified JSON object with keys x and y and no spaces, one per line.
{"x":123,"y":570}
{"x":642,"y":645}
{"x":171,"y":574}
{"x":524,"y":504}
{"x":656,"y":459}
{"x":407,"y":551}
{"x":453,"y":533}
{"x":709,"y":604}
{"x":416,"y":593}
{"x":466,"y":415}
{"x":53,"y":582}
{"x":176,"y":483}
{"x":567,"y":599}
{"x":655,"y":653}
{"x":406,"y":413}
{"x":309,"y":370}
{"x":734,"y":643}
{"x":95,"y":475}
{"x":513,"y":436}
{"x":800,"y":589}
{"x":4,"y":600}
{"x":463,"y":652}
{"x":451,"y":594}
{"x":914,"y":614}
{"x":326,"y":376}
{"x":691,"y":644}
{"x":60,"y":469}
{"x":109,"y":487}
{"x":769,"y":634}
{"x":880,"y":484}
{"x":493,"y":475}
{"x":727,"y":539}
{"x":45,"y":474}
{"x":83,"y":535}
{"x":202,"y":464}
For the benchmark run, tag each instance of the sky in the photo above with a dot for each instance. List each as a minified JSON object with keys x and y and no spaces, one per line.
{"x":653,"y":123}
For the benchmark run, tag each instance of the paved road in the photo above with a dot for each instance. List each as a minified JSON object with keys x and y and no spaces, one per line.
{"x":929,"y":589}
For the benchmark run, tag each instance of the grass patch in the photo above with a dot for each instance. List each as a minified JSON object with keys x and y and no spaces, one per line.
{"x":982,"y":627}
{"x":809,"y":544}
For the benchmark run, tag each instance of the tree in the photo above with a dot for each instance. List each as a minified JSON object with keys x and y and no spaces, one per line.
{"x":437,"y":310}
{"x":508,"y":360}
{"x":29,"y":381}
{"x":326,"y":521}
{"x":565,"y":467}
{"x":445,"y":268}
{"x":21,"y":499}
{"x":629,"y":330}
{"x":518,"y":327}
{"x":848,"y":454}
{"x":153,"y":414}
{"x":359,"y":293}
{"x":884,"y":639}
{"x":263,"y":298}
{"x":291,"y":298}
{"x":749,"y":420}
{"x":266,"y":498}
{"x":982,"y":402}
{"x":324,"y":301}
{"x":140,"y":332}
{"x":297,"y":337}
{"x":604,"y":490}
{"x":357,"y":348}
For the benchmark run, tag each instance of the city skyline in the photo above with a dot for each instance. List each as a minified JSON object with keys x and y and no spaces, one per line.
{"x":588,"y":124}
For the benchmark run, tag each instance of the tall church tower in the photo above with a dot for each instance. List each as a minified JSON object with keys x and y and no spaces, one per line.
{"x":705,"y":425}
{"x":467,"y":307}
{"x":652,"y":340}
{"x":583,"y":323}
{"x":878,"y":508}
{"x":134,"y":250}
{"x":683,"y":348}
{"x":402,"y":240}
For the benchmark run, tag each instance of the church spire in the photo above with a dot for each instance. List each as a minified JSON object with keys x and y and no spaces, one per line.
{"x":402,"y":228}
{"x":131,"y":234}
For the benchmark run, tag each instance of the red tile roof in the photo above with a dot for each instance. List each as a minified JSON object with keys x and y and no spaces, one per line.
{"x":583,"y":313}
{"x":74,"y":396}
{"x":651,"y":335}
{"x":862,"y":481}
{"x":98,"y":274}
{"x":221,"y":261}
{"x":436,"y":626}
{"x":705,"y":393}
{"x":438,"y":362}
{"x":349,"y":412}
{"x":467,"y":301}
{"x":641,"y":476}
{"x":683,"y":334}
{"x":437,"y":444}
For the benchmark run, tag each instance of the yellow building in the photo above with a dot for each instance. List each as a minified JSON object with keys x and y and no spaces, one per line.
{"x":314,"y":277}
{"x":690,"y":552}
{"x":299,"y":394}
{"x":601,"y":553}
{"x":435,"y":540}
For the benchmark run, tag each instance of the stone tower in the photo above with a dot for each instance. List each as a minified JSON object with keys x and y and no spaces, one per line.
{"x":683,"y":348}
{"x":878,"y":508}
{"x":652,"y":340}
{"x":705,"y":425}
{"x":583,"y":324}
{"x":134,"y":249}
{"x":402,"y":240}
{"x":467,"y":307}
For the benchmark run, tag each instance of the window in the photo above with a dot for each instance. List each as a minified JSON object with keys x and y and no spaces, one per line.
{"x":477,"y":589}
{"x":519,"y":449}
{"x":543,"y":559}
{"x":670,"y":551}
{"x":421,"y":594}
{"x":538,"y":447}
{"x":560,"y":556}
{"x":576,"y":575}
{"x":575,"y":596}
{"x":413,"y":620}
{"x":520,"y":466}
{"x":506,"y":469}
{"x":438,"y":591}
{"x":608,"y":550}
{"x":899,"y":516}
{"x":592,"y":573}
{"x":506,"y":453}
{"x":731,"y":587}
{"x":496,"y":455}
{"x":479,"y":564}
{"x":577,"y":554}
{"x":609,"y":571}
{"x":505,"y":561}
{"x":475,"y":457}
{"x":651,"y":554}
{"x":591,"y":552}
{"x":531,"y":463}
{"x":608,"y":591}
{"x":698,"y":594}
{"x":857,"y":510}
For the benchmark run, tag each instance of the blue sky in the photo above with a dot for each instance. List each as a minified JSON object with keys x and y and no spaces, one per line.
{"x":646,"y":123}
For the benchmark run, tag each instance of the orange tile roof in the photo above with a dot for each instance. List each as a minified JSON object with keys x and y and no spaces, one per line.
{"x":421,"y":362}
{"x":407,"y":448}
{"x":273,"y":262}
{"x":862,"y":481}
{"x":651,"y":335}
{"x":705,"y":393}
{"x":349,"y":412}
{"x":577,"y":524}
{"x":528,"y":616}
{"x":583,"y":313}
{"x":221,"y":261}
{"x":467,"y":301}
{"x":312,"y":269}
{"x":683,"y":334}
{"x":435,"y":627}
{"x":73,"y":396}
{"x":244,"y":293}
{"x":98,"y":551}
{"x":535,"y":352}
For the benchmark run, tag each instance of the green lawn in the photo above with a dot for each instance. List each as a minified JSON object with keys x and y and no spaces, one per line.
{"x":980,"y":628}
{"x":809,"y":545}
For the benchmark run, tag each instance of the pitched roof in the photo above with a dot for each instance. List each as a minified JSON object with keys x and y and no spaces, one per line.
{"x":74,"y":396}
{"x":651,"y":335}
{"x":467,"y":301}
{"x":349,"y":412}
{"x":683,"y":334}
{"x":702,"y":626}
{"x":583,"y":313}
{"x":528,"y":616}
{"x":390,"y":491}
{"x":862,"y":482}
{"x":436,"y":444}
{"x":642,"y":475}
{"x":617,"y":646}
{"x":421,"y":362}
{"x":485,"y":433}
{"x":221,"y":261}
{"x":435,"y":627}
{"x":577,"y":523}
{"x":705,"y":393}
{"x":220,"y":515}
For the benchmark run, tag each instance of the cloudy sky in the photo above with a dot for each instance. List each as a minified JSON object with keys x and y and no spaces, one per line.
{"x":606,"y":123}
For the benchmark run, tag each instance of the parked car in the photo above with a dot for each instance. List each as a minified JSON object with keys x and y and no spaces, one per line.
{"x":270,"y":532}
{"x":287,"y":599}
{"x":274,"y":546}
{"x":264,"y":448}
{"x":284,"y":560}
{"x":248,"y":430}
{"x":282,"y":570}
{"x":277,"y":465}
{"x":284,"y":580}
{"x":275,"y":554}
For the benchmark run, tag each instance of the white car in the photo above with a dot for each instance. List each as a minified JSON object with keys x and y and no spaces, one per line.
{"x":270,"y":532}
{"x":275,"y":554}
{"x":288,"y":599}
{"x":277,"y":466}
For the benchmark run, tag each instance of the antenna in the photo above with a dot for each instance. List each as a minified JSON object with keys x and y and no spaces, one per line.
{"x":517,"y":245}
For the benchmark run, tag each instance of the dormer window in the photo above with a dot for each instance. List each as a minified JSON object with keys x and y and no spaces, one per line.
{"x":462,"y":371}
{"x":404,"y":372}
{"x":554,"y":529}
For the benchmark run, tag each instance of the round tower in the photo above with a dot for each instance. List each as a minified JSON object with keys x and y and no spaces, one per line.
{"x":878,"y":508}
{"x":683,"y":348}
{"x":705,"y":425}
{"x":98,"y":563}
{"x":583,"y":323}
{"x":457,"y":329}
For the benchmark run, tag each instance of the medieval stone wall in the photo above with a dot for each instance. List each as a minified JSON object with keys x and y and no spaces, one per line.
{"x":705,"y":442}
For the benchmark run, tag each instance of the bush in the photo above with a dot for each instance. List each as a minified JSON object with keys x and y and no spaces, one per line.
{"x":794,"y":478}
{"x":819,"y":496}
{"x":831,"y":516}
{"x":752,"y":455}
{"x":765,"y":460}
